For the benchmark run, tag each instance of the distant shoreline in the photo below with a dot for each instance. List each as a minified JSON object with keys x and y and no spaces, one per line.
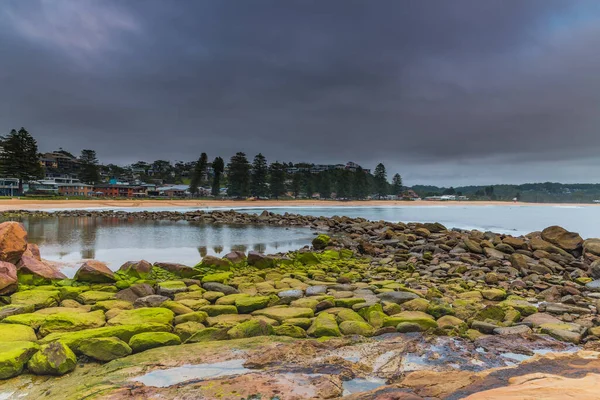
{"x":36,"y":204}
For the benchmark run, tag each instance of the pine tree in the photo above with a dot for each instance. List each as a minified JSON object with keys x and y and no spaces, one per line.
{"x":360,"y":186}
{"x":89,"y":171}
{"x":277,"y":179}
{"x":198,"y":174}
{"x":259,"y":187}
{"x":218,"y":166}
{"x":325,"y":185}
{"x":344,"y":185}
{"x":296,"y":184}
{"x":239,"y":176}
{"x":397,"y":185}
{"x":381,"y":184}
{"x":19,"y":157}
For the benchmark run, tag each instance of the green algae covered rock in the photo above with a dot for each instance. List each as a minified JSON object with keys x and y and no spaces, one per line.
{"x":493,"y":294}
{"x":492,"y":312}
{"x":33,"y":320}
{"x":321,"y":241}
{"x":208,"y":335}
{"x":176,"y":307}
{"x":186,"y":330}
{"x":215,"y":310}
{"x":36,"y":298}
{"x":425,"y":321}
{"x":105,"y":349}
{"x":151,"y":340}
{"x":356,"y":328}
{"x":112,"y":304}
{"x":348,"y":302}
{"x":123,"y":332}
{"x":246,"y":305}
{"x":221,"y":277}
{"x":281,"y":314}
{"x":349,"y":315}
{"x":303,"y":323}
{"x":289,"y":330}
{"x":230,"y":299}
{"x":67,"y":322}
{"x":324,"y":325}
{"x":196,"y":316}
{"x":252,"y":328}
{"x":53,"y":359}
{"x":307,"y":258}
{"x":14,"y":356}
{"x":94,"y":296}
{"x":525,"y":308}
{"x":145,"y":315}
{"x":16,"y":333}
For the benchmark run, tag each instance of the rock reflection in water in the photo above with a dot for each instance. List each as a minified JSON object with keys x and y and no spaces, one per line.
{"x":173,"y":376}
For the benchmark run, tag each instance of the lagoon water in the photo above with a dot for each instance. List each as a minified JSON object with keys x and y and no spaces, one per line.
{"x":114,"y":241}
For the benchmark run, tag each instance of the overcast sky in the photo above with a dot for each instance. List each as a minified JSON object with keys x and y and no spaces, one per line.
{"x":443,"y":92}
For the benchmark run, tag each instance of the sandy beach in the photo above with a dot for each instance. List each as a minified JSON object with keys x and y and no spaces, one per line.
{"x":18,"y":204}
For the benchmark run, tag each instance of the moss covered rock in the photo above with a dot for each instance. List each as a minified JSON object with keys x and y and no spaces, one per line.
{"x":196,"y":316}
{"x":284,"y":313}
{"x":14,"y":356}
{"x":246,"y":305}
{"x":221,"y":277}
{"x":155,"y":315}
{"x":356,"y":328}
{"x":16,"y":333}
{"x":123,"y":332}
{"x":186,"y":330}
{"x":151,"y":340}
{"x":36,"y":298}
{"x":289,"y":330}
{"x":324,"y":325}
{"x":111,"y":304}
{"x":209,"y":334}
{"x":215,"y":310}
{"x":425,"y":321}
{"x":94,"y":296}
{"x":254,"y":327}
{"x":67,"y":322}
{"x":105,"y":349}
{"x":53,"y":359}
{"x":493,"y":294}
{"x":321,"y":241}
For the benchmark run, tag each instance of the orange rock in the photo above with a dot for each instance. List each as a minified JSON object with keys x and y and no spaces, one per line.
{"x":33,"y":251}
{"x":31,"y":265}
{"x":13,"y":241}
{"x":95,"y":272}
{"x":8,"y":278}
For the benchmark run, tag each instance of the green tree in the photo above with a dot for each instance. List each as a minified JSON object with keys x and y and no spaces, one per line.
{"x":360,"y":185}
{"x":260,"y":170}
{"x":19,"y":157}
{"x":277,"y":179}
{"x":89,"y":171}
{"x":308,"y":183}
{"x":218,"y":166}
{"x":239,"y":176}
{"x":296,"y":184}
{"x":344,"y":184}
{"x":397,"y":185}
{"x":198,"y":174}
{"x":381,"y":184}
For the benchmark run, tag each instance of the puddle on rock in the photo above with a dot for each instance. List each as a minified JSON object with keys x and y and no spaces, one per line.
{"x":358,"y":385}
{"x":173,"y":376}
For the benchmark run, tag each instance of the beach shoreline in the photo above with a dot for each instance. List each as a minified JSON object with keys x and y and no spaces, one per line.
{"x":36,"y":204}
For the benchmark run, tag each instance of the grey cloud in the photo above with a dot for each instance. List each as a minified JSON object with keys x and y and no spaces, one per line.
{"x":443,"y":92}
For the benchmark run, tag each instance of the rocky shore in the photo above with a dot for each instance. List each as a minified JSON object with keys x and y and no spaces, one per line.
{"x":363,"y":288}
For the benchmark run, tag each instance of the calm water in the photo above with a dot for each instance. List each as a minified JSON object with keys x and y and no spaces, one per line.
{"x":514,"y":219}
{"x":114,"y":241}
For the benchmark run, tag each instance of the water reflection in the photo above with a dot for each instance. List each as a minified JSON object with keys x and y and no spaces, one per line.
{"x":114,"y":240}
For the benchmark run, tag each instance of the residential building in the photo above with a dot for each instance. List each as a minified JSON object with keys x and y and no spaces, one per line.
{"x":9,"y":186}
{"x":59,"y":162}
{"x":109,"y":190}
{"x":173,"y":191}
{"x":75,"y":189}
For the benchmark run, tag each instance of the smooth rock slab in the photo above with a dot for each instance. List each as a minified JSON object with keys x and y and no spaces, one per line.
{"x":397,"y":297}
{"x":105,"y":349}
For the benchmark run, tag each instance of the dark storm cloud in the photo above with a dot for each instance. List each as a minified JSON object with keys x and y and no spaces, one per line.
{"x":445,"y":92}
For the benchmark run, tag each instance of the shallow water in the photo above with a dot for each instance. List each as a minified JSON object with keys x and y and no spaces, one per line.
{"x":70,"y":240}
{"x":358,"y":385}
{"x":514,"y":219}
{"x":173,"y":376}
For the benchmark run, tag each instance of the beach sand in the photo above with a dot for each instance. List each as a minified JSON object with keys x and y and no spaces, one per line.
{"x":32,"y":204}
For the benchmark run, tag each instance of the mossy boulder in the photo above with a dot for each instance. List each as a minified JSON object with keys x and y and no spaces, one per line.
{"x":67,"y":322}
{"x":151,"y":340}
{"x":105,"y":349}
{"x":491,"y":312}
{"x":16,"y":333}
{"x":348,"y":302}
{"x":493,"y":294}
{"x":284,"y":313}
{"x":136,"y":269}
{"x":14,"y":356}
{"x":229,"y":300}
{"x":186,"y":330}
{"x":221,"y":277}
{"x":348,"y":315}
{"x":95,"y":272}
{"x":227,"y":320}
{"x":54,"y":358}
{"x":449,"y":322}
{"x":308,"y":258}
{"x":112,"y":304}
{"x":171,"y":288}
{"x":415,"y":305}
{"x":246,"y":305}
{"x":290,"y":330}
{"x":208,"y":335}
{"x":215,"y":310}
{"x":252,"y":328}
{"x":212,"y":296}
{"x":321,"y":241}
{"x":324,"y":325}
{"x":123,"y":332}
{"x":194,"y":304}
{"x":94,"y":296}
{"x":356,"y":328}
{"x":157,"y":315}
{"x":522,"y":306}
{"x":196,"y":316}
{"x":36,"y":298}
{"x":212,"y":262}
{"x":303,"y":323}
{"x":176,"y":307}
{"x":425,"y":321}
